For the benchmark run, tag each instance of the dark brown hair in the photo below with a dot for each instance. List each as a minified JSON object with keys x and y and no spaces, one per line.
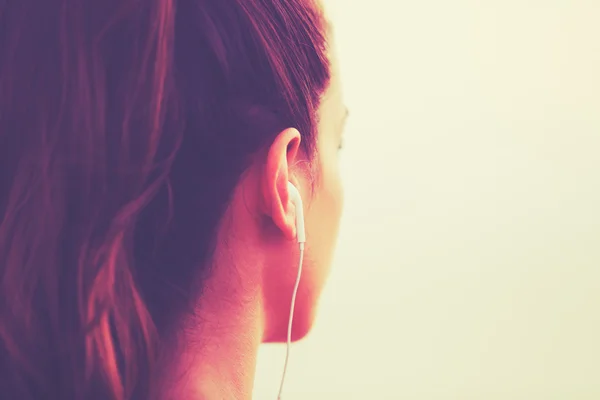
{"x":125,"y":125}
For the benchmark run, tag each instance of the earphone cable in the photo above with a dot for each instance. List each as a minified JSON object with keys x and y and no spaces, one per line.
{"x":291,"y":320}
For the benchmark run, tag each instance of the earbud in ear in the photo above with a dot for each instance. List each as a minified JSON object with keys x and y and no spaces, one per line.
{"x":297,"y":200}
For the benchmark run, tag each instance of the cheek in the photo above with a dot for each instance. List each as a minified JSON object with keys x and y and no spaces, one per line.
{"x":335,"y":202}
{"x":324,"y":216}
{"x":334,"y":192}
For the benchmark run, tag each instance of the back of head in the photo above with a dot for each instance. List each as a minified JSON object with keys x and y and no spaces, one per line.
{"x":124,"y":128}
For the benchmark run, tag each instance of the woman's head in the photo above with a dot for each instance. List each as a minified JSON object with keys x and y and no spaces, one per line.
{"x":145,"y":149}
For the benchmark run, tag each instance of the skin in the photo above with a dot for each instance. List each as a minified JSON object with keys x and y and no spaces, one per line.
{"x":247,"y":299}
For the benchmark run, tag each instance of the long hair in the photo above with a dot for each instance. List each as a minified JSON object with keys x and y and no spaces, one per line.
{"x":125,"y":126}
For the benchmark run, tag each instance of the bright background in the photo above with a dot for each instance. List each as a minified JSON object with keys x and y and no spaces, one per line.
{"x":469,"y":258}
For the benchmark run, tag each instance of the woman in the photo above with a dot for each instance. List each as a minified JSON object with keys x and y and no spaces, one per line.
{"x":147,"y":233}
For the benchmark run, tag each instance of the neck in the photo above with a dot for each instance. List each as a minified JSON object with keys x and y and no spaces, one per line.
{"x":214,"y":356}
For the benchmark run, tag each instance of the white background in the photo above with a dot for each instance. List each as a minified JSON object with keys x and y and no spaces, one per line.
{"x":469,"y":259}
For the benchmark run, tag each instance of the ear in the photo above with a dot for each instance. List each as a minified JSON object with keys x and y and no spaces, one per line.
{"x":275,"y":176}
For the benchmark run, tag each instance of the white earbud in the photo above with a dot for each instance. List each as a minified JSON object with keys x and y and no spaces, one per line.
{"x":297,"y":200}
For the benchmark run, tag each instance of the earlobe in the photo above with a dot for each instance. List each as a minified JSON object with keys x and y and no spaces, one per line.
{"x":275,"y":177}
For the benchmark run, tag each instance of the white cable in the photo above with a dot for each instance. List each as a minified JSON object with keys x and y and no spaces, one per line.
{"x":291,"y":320}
